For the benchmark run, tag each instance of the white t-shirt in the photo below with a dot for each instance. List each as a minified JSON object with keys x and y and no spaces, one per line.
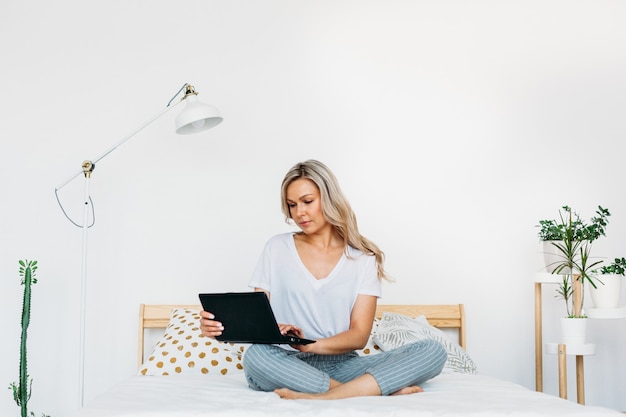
{"x":321,"y":307}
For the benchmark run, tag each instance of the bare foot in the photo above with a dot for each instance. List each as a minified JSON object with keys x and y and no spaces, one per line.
{"x":287,"y":394}
{"x":358,"y":387}
{"x":413,"y":389}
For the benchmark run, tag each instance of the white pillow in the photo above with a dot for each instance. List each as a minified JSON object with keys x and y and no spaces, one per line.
{"x":395,"y":330}
{"x":183,"y":349}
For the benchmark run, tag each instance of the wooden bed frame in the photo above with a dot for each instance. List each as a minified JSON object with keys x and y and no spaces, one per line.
{"x":451,"y":316}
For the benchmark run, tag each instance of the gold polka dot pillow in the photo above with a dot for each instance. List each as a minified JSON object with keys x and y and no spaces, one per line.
{"x":183,"y":349}
{"x":371,"y":348}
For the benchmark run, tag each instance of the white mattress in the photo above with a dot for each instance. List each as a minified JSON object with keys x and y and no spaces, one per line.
{"x":448,"y":395}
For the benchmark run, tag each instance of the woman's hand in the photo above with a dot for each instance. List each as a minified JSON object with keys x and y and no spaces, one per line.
{"x":208,"y":326}
{"x":361,"y":320}
{"x":296,"y":331}
{"x":290,"y":328}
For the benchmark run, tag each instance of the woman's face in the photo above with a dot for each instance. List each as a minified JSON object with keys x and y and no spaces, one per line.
{"x":305,"y":206}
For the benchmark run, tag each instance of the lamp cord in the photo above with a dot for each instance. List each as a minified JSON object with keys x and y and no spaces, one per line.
{"x":93,"y":212}
{"x":175,"y":95}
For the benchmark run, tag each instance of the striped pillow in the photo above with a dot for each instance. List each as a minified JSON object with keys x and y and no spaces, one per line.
{"x":395,"y":330}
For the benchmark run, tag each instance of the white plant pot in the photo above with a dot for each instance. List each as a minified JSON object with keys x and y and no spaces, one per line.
{"x":573,"y":331}
{"x":608,"y":292}
{"x":552,"y":257}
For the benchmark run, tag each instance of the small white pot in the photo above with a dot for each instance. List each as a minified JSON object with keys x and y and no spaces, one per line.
{"x":552,"y":257}
{"x":608,"y":291}
{"x":573,"y":331}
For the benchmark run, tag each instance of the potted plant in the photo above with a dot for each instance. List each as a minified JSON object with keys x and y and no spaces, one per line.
{"x":606,"y":293}
{"x":562,"y":239}
{"x":550,"y":232}
{"x":571,"y":240}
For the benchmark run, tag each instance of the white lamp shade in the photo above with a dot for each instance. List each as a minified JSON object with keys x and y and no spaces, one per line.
{"x":196,"y":117}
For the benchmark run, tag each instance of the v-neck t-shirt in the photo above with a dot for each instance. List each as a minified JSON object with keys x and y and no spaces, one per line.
{"x":321,"y":307}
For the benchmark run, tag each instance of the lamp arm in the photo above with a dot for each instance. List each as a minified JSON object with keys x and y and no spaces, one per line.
{"x":121,"y":142}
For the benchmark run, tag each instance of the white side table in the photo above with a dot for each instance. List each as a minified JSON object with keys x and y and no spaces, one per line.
{"x":580,"y":351}
{"x":606,"y":313}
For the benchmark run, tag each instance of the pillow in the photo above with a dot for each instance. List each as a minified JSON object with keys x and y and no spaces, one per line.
{"x":183,"y":349}
{"x":370,"y":348}
{"x":395,"y":330}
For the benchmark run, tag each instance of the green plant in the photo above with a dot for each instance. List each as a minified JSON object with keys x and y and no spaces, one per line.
{"x":556,"y":229}
{"x":22,"y":390}
{"x":565,"y":291}
{"x":574,"y":246}
{"x":550,"y":230}
{"x":617,"y":267}
{"x":572,"y":238}
{"x":596,"y":228}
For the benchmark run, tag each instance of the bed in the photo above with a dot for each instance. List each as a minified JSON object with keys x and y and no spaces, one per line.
{"x":187,"y":375}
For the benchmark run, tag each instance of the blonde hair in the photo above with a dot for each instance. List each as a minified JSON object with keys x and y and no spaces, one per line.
{"x":335,"y":206}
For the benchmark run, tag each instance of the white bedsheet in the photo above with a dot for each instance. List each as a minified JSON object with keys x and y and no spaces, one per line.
{"x":448,"y":395}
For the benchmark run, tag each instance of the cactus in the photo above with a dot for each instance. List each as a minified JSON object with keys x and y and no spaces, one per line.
{"x":23,"y":390}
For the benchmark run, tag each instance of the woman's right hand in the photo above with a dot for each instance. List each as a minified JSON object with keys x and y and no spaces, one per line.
{"x":208,"y":326}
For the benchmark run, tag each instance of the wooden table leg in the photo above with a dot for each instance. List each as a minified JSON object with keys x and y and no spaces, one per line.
{"x":580,"y":380}
{"x":538,"y":339}
{"x":562,"y":352}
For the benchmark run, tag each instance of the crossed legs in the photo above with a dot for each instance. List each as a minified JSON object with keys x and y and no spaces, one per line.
{"x":364,"y":385}
{"x":293,"y":375}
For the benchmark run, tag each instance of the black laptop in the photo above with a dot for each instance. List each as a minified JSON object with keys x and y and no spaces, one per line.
{"x":247,"y":318}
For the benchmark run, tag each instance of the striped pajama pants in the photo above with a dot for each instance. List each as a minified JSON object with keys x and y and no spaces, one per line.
{"x":268,"y":367}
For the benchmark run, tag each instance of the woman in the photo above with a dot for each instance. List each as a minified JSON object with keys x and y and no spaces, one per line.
{"x":323,"y":283}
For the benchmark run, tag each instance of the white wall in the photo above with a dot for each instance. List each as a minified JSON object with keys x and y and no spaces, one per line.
{"x":453,"y":127}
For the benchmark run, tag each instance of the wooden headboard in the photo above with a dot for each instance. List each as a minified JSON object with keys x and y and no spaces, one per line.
{"x":443,"y":316}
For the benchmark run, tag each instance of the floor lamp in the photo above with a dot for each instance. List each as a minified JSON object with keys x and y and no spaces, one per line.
{"x":195,"y":117}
